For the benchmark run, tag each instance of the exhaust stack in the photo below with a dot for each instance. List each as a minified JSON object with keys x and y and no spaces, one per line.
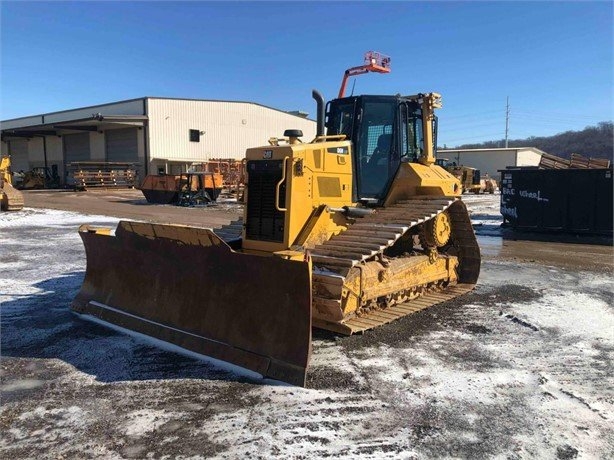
{"x":321,"y":114}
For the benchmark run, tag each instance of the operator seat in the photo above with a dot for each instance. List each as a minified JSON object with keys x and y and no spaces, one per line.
{"x":382,"y":151}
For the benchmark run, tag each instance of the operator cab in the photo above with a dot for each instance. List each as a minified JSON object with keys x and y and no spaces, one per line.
{"x":385,"y":131}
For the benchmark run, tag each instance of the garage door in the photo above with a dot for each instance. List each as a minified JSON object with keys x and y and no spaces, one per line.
{"x":122,"y":145}
{"x":77,"y":147}
{"x":18,"y":150}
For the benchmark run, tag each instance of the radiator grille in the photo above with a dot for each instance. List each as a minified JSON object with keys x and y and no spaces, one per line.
{"x":264,"y":222}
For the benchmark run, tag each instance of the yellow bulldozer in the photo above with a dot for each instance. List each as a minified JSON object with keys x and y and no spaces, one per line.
{"x":347,"y":232}
{"x":11,"y":199}
{"x":471,"y":179}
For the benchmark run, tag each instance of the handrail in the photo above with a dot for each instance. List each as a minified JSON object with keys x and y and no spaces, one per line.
{"x":283,"y":178}
{"x":330,"y":137}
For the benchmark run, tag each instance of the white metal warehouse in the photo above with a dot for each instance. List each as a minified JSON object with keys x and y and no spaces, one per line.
{"x":489,"y":161}
{"x":158,"y":134}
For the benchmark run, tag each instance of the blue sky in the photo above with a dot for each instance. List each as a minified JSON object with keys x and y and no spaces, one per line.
{"x":553,"y":60}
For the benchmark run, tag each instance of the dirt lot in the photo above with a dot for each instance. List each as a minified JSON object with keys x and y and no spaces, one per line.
{"x":130,"y":204}
{"x":519,"y":368}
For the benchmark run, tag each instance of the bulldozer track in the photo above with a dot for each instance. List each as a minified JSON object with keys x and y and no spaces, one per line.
{"x":379,"y":230}
{"x":368,"y":238}
{"x":374,"y":319}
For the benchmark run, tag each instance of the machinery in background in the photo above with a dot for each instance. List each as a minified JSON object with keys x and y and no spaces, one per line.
{"x":232,"y":172}
{"x":488,"y":185}
{"x":39,"y":177}
{"x":347,"y":232}
{"x":11,"y":199}
{"x":185,"y":189}
{"x":373,"y":62}
{"x":470,"y":178}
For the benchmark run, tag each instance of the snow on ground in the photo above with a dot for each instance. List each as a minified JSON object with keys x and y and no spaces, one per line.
{"x":520,"y":368}
{"x":484,"y":212}
{"x":31,"y":217}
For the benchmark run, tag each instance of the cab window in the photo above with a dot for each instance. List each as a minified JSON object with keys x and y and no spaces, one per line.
{"x":412,"y":135}
{"x":376,"y":147}
{"x":341,"y":119}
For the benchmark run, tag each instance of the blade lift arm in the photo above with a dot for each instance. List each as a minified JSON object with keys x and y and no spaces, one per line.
{"x":429,"y":102}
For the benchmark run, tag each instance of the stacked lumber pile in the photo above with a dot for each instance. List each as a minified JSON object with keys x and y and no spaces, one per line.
{"x":576,"y":162}
{"x":86,"y":174}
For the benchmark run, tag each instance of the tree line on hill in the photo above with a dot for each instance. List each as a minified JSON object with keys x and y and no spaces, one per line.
{"x":593,"y":141}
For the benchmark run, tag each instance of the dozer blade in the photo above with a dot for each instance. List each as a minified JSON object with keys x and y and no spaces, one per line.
{"x":11,"y":199}
{"x":184,"y":285}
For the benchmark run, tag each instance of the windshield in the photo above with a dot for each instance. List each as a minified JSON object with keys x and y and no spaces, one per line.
{"x":375,"y":152}
{"x":384,"y":131}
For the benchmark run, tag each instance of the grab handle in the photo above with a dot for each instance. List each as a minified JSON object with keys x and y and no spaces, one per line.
{"x":283,"y":178}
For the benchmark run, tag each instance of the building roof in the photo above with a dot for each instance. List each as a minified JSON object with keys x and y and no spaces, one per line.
{"x":295,"y":113}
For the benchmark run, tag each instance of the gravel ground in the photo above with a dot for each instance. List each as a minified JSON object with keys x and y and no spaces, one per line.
{"x":519,"y":368}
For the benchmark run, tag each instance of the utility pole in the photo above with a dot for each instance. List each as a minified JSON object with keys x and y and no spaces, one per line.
{"x":507,"y":119}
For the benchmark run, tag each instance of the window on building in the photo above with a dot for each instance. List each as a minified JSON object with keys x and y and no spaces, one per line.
{"x":194,"y":135}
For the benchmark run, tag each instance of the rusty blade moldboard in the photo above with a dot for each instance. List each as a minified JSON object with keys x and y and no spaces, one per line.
{"x":184,"y":285}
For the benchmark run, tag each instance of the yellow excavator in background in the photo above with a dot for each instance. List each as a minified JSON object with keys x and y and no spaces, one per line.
{"x":347,"y":232}
{"x":11,"y":199}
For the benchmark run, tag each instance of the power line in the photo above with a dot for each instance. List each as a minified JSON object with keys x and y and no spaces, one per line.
{"x":445,"y":122}
{"x":470,"y":115}
{"x":561,"y":114}
{"x":455,"y":128}
{"x":475,"y":137}
{"x":535,"y":119}
{"x":553,"y":124}
{"x":559,"y":119}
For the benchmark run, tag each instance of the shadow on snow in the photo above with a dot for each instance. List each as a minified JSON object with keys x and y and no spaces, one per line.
{"x":41,"y":325}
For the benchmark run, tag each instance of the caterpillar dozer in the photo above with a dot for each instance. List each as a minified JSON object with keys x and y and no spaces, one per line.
{"x":11,"y":199}
{"x":347,"y":232}
{"x":470,"y":178}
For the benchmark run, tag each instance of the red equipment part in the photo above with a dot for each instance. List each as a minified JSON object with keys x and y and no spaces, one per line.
{"x":374,"y":62}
